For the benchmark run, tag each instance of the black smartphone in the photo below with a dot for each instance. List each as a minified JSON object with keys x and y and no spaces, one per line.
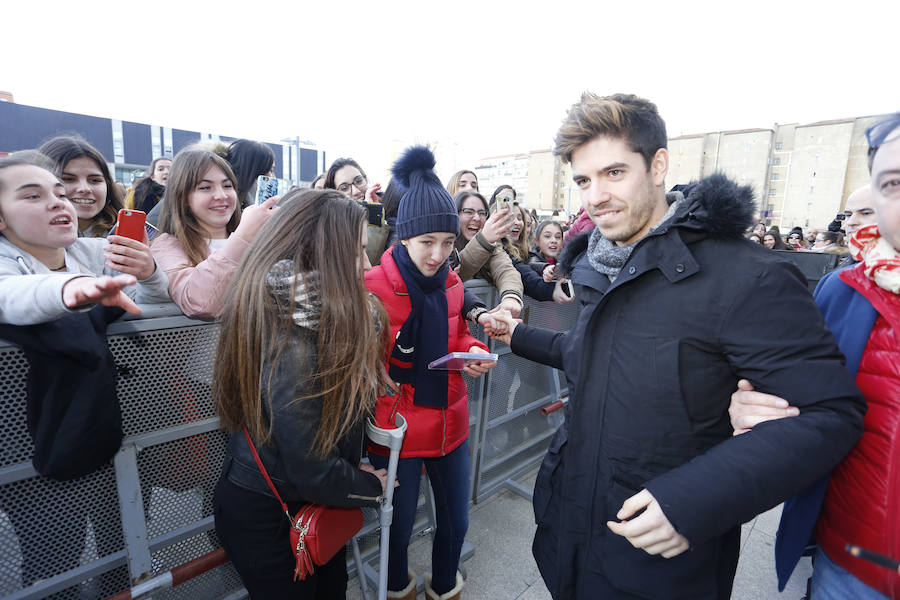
{"x":453,"y":259}
{"x":566,"y":287}
{"x":376,"y":213}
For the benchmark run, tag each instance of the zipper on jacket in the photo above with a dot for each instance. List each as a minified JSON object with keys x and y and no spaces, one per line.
{"x":396,"y":406}
{"x":444,"y":432}
{"x":358,"y":497}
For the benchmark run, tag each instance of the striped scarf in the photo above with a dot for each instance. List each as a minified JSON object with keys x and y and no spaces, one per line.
{"x":882,"y":261}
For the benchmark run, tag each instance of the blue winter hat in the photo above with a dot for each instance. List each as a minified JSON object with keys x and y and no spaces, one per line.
{"x":426,"y":207}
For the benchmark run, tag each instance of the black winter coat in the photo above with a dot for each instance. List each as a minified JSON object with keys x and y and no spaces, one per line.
{"x":334,"y":480}
{"x":652,"y":362}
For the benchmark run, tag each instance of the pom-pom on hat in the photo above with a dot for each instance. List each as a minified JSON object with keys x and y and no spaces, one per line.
{"x":426,"y":207}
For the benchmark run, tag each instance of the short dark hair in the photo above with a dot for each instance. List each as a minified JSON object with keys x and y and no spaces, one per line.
{"x":623,"y":116}
{"x":465,"y":195}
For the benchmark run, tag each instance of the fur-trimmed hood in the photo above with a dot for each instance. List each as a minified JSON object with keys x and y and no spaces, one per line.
{"x":716,"y":205}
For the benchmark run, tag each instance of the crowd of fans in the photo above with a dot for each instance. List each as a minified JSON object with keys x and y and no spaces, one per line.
{"x":294,"y":276}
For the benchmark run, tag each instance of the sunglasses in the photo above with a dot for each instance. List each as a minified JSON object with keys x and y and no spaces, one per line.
{"x":878,"y":133}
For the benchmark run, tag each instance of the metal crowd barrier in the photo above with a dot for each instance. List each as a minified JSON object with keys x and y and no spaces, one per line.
{"x":150,"y":512}
{"x":813,"y":265}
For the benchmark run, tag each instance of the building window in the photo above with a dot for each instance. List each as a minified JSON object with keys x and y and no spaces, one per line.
{"x":774,"y":177}
{"x":778,"y":146}
{"x":776,"y":161}
{"x":771,"y":191}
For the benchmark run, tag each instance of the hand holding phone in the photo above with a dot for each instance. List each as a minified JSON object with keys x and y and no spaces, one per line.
{"x":130,"y":223}
{"x":267,"y":187}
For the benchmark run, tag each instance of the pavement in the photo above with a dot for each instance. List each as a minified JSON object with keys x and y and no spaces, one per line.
{"x":501,"y":529}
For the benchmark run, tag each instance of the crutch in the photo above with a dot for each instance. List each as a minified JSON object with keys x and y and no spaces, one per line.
{"x":391,"y":439}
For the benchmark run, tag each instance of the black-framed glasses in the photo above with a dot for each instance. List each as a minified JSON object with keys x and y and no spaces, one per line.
{"x":877,"y":134}
{"x":471,"y":212}
{"x":359,"y":182}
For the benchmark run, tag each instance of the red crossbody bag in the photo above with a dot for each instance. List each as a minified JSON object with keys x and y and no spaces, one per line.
{"x":317,"y":531}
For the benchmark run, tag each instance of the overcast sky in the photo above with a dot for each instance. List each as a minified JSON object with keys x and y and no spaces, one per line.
{"x":363,"y":78}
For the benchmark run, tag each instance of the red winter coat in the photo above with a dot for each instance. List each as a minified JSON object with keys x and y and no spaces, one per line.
{"x":862,"y":505}
{"x":430,"y":431}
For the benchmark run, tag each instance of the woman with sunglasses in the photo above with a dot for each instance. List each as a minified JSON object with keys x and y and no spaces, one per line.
{"x":345,"y":175}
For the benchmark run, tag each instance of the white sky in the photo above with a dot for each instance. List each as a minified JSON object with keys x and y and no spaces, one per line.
{"x":363,"y":79}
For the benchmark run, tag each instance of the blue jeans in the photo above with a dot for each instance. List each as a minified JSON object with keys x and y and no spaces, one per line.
{"x":449,"y":477}
{"x":832,"y":582}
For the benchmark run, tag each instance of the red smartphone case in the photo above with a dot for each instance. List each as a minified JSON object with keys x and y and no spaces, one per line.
{"x":131,"y":223}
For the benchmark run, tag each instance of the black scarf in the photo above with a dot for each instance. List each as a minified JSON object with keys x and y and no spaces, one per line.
{"x":424,"y":335}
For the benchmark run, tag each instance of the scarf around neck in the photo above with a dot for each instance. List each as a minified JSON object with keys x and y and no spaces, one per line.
{"x":608,"y":257}
{"x":307,"y":305}
{"x":424,"y":335}
{"x":882,"y":261}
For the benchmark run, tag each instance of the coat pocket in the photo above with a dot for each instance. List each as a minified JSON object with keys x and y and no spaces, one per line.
{"x":690,"y":575}
{"x":548,"y":484}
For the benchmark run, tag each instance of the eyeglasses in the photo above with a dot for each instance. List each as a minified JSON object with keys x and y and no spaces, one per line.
{"x":469,"y":212}
{"x":359,"y":182}
{"x":794,"y":236}
{"x":878,"y":133}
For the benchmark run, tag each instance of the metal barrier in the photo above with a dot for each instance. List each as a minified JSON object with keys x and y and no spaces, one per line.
{"x":813,"y":265}
{"x":150,"y":511}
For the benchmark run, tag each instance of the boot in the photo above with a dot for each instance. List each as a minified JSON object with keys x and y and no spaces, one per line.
{"x":453,"y":594}
{"x":409,"y":592}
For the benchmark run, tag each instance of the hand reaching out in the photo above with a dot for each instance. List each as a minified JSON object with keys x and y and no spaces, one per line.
{"x":82,"y":291}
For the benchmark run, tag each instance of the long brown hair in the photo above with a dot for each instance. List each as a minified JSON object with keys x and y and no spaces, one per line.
{"x":63,"y":149}
{"x":318,"y":231}
{"x":176,"y":217}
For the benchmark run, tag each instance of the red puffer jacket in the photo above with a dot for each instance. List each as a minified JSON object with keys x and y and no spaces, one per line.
{"x":430,"y":431}
{"x":862,"y":505}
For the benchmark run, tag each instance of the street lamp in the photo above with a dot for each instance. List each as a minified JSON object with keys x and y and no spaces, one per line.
{"x":295,"y":141}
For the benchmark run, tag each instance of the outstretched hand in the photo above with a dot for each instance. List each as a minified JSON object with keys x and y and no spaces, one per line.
{"x":651,"y":531}
{"x":106,"y":290}
{"x":500,"y":325}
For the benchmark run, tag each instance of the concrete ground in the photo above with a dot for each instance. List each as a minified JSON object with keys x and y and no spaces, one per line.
{"x":502,"y":527}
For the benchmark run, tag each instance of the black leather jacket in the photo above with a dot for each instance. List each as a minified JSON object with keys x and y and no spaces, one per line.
{"x":334,"y":480}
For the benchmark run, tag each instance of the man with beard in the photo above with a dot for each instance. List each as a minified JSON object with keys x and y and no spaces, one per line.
{"x":644,"y":489}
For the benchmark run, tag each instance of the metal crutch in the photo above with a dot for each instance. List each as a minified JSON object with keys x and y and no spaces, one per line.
{"x":392,"y":439}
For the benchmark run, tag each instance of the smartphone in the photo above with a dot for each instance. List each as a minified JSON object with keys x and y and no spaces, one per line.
{"x":456,"y":361}
{"x":266,"y":187}
{"x":566,"y":287}
{"x":453,"y":259}
{"x":375,"y":213}
{"x":130,"y":223}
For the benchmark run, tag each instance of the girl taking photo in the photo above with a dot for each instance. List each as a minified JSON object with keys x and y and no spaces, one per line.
{"x":298,"y":364}
{"x":204,"y":232}
{"x":424,"y":298}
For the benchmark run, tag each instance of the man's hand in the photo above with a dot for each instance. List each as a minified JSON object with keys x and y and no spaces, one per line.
{"x":105,"y":290}
{"x":501,"y":326}
{"x":477,"y":369}
{"x":748,"y":408}
{"x":651,"y":532}
{"x":129,"y":256}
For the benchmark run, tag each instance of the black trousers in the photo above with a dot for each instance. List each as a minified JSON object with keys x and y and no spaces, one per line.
{"x":255,"y":533}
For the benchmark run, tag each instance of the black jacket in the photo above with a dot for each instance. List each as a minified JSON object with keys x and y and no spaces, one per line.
{"x":73,"y":411}
{"x":652,"y":362}
{"x":334,"y":480}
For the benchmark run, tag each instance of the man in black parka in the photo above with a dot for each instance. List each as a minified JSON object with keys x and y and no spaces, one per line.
{"x":644,"y":489}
